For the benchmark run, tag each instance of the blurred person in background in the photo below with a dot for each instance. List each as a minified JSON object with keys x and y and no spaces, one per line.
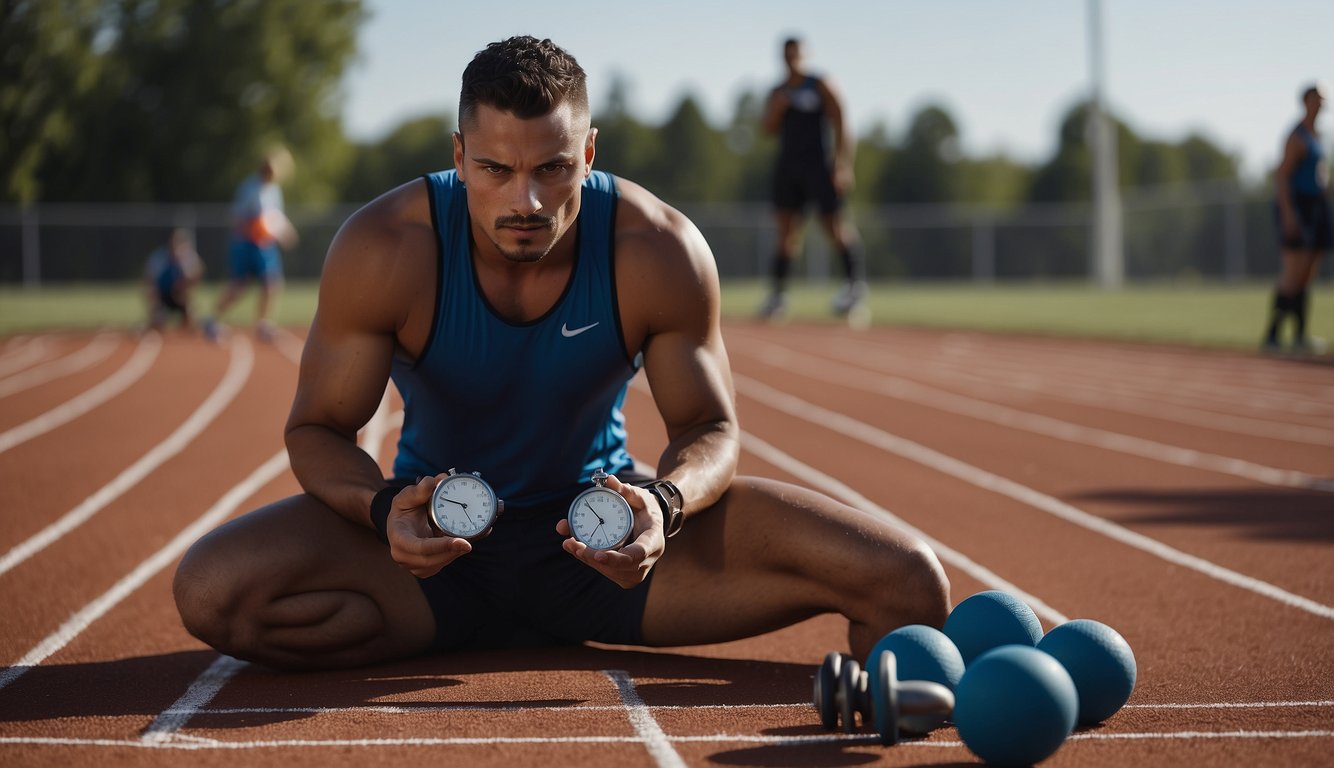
{"x":1302,"y":210}
{"x":259,"y":226}
{"x":170,"y":277}
{"x":814,"y":165}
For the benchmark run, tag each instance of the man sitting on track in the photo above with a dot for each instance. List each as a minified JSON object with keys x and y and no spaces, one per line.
{"x":512,"y":300}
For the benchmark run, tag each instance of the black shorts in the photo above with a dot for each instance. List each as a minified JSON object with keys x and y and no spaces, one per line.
{"x":1315,"y":229}
{"x":519,"y":588}
{"x":169,"y":303}
{"x":798,"y":184}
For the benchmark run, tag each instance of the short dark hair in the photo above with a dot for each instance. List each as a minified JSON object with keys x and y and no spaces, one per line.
{"x":522,"y":75}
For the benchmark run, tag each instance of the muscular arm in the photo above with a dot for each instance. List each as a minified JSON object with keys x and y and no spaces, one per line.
{"x":673,"y":277}
{"x":772,"y":122}
{"x":365,"y":304}
{"x":844,"y":145}
{"x":1293,"y":151}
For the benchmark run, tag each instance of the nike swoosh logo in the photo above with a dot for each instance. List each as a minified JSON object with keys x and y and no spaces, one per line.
{"x":570,"y":333}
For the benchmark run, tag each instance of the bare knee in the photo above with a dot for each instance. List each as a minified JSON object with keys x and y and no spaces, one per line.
{"x":208,"y":596}
{"x":925,"y":597}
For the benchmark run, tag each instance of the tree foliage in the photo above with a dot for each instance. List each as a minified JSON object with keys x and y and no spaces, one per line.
{"x":175,"y":100}
{"x":172,"y":100}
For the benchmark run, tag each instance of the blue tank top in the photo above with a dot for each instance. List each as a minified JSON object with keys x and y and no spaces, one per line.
{"x":534,"y":407}
{"x":1310,"y":177}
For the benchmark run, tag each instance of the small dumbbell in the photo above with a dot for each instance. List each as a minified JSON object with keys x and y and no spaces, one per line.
{"x":842,"y":691}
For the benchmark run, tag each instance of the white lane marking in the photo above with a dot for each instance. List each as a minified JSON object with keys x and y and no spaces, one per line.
{"x":842,"y":424}
{"x":238,"y":371}
{"x":641,"y":718}
{"x":854,"y":499}
{"x":197,"y":696}
{"x":830,"y":371}
{"x":431,"y":709}
{"x":93,"y":353}
{"x":194,"y":743}
{"x":24,"y":353}
{"x":1145,"y":399}
{"x":164,"y":557}
{"x":848,"y":495}
{"x":289,"y":344}
{"x":138,"y":364}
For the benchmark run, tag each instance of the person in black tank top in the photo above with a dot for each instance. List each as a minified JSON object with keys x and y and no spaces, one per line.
{"x":814,"y":165}
{"x":1303,"y":219}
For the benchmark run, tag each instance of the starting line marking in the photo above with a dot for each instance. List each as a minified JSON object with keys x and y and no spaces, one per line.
{"x":183,"y":742}
{"x":641,"y":718}
{"x":389,"y":709}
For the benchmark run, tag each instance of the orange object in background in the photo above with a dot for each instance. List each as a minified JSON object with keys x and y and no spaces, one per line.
{"x":259,"y":232}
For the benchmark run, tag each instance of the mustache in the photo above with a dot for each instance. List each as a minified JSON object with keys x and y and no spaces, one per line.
{"x":524,"y":221}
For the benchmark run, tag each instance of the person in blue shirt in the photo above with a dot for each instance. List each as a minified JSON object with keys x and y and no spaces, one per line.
{"x":813,"y":167}
{"x":512,"y":300}
{"x":259,"y":227}
{"x":170,"y":276}
{"x":1302,"y":213}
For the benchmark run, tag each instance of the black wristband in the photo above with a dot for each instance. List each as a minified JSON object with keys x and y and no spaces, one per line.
{"x":380,"y":506}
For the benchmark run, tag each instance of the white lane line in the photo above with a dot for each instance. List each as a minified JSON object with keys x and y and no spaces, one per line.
{"x":432,"y":709}
{"x":24,"y":354}
{"x":641,"y":718}
{"x":93,"y":353}
{"x":194,"y":743}
{"x":197,"y":696}
{"x":289,"y":344}
{"x":164,"y":557}
{"x":138,"y":364}
{"x":1106,"y":395}
{"x":827,"y":370}
{"x":238,"y":370}
{"x":837,"y":489}
{"x":844,"y":425}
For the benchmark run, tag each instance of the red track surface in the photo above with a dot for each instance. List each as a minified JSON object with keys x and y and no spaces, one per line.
{"x":1182,"y":497}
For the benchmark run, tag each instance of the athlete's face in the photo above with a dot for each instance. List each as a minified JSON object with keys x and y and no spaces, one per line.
{"x":523,"y":177}
{"x":792,"y":56}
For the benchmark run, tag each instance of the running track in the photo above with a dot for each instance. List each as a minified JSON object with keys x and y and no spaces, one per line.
{"x":1183,"y":497}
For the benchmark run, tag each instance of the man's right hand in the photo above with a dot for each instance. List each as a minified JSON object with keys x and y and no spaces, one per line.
{"x":412,"y":542}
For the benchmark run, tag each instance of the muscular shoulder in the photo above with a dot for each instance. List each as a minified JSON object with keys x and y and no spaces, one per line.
{"x":380,"y":258}
{"x":666,"y":273}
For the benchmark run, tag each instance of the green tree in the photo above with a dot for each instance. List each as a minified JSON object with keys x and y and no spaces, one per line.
{"x":1206,"y":162}
{"x":625,"y":146}
{"x":190,"y":94}
{"x":692,"y":164}
{"x":925,"y":168}
{"x":48,"y":66}
{"x":418,"y":146}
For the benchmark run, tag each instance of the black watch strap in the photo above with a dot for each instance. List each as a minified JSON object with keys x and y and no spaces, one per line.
{"x":670,"y":500}
{"x":380,"y":505}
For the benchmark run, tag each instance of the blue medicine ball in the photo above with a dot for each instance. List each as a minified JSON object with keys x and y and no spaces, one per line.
{"x":921,"y":653}
{"x":990,"y":619}
{"x":1100,"y":662}
{"x":1015,"y":706}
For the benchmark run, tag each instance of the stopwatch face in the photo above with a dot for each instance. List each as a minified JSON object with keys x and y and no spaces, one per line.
{"x":601,"y":518}
{"x":464,"y":506}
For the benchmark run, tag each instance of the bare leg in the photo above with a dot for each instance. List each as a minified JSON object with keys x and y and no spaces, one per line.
{"x":269,"y":291}
{"x":295,"y":586}
{"x":789,"y":240}
{"x":771,"y":554}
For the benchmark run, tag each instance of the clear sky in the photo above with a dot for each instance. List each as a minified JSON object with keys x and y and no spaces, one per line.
{"x":1006,"y":70}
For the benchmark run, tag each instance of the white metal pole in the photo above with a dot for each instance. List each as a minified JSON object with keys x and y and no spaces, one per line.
{"x":1107,"y":246}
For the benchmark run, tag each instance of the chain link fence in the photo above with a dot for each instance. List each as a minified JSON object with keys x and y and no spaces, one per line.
{"x":1211,"y":231}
